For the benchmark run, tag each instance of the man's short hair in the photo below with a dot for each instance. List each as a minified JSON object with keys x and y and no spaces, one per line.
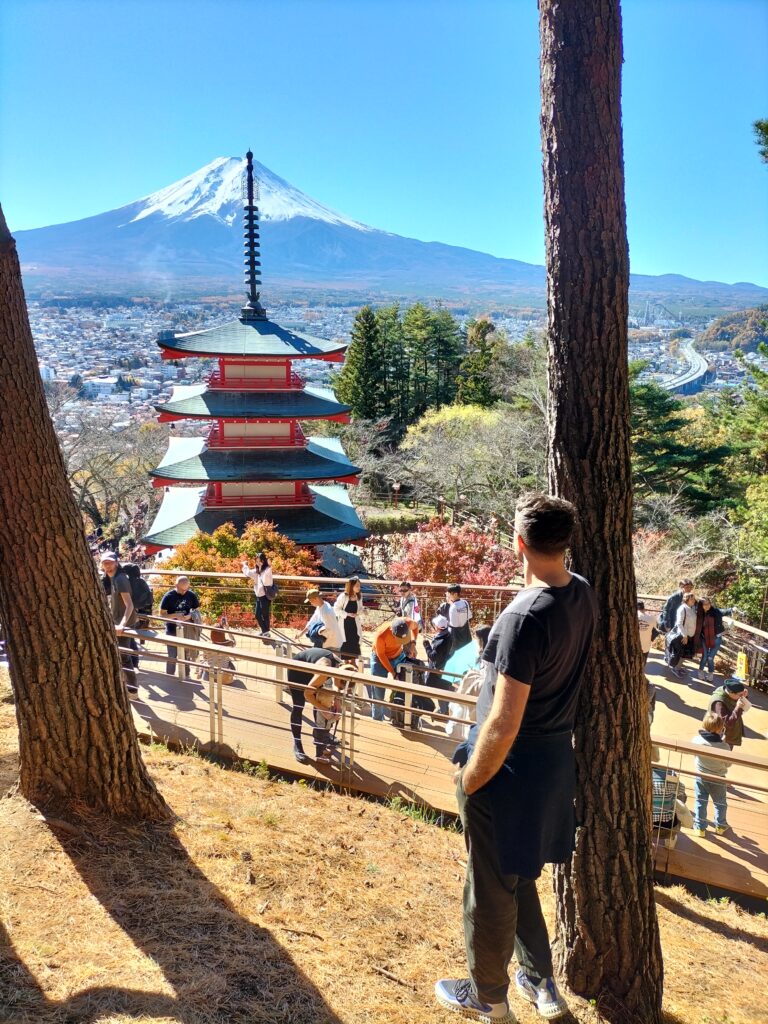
{"x":713,"y":722}
{"x":453,"y":588}
{"x":641,"y":606}
{"x":482,"y":633}
{"x":405,"y":584}
{"x":545,"y":523}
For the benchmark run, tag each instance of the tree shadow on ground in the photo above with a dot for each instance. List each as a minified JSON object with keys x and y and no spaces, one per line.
{"x":666,"y":900}
{"x":670,"y":699}
{"x":220,"y":966}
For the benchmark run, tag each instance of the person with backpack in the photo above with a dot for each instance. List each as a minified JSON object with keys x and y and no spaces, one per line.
{"x":264,"y":589}
{"x":322,"y":628}
{"x":439,"y":650}
{"x":683,"y":631}
{"x":117,"y":589}
{"x":729,"y":701}
{"x":459,"y":615}
{"x":178,"y":604}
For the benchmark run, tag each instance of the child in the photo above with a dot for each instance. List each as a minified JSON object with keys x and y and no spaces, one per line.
{"x":711,"y":737}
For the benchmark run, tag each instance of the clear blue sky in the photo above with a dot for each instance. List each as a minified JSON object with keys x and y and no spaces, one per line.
{"x":416,"y":116}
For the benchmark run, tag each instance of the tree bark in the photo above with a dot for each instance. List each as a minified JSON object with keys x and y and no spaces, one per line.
{"x":608,"y":941}
{"x":77,"y":742}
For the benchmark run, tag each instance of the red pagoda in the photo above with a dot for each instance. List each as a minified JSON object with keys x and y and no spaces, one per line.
{"x":254,"y":462}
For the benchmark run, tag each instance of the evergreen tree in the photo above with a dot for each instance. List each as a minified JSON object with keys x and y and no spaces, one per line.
{"x":475,"y":384}
{"x":418,"y":335}
{"x":395,"y":392}
{"x":359,"y":382}
{"x":449,"y":346}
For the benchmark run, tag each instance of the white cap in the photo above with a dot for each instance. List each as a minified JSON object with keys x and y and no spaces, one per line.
{"x":440,"y":622}
{"x":109,"y":556}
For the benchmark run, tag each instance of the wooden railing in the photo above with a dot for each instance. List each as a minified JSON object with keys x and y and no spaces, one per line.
{"x":293,"y":383}
{"x":216,"y":439}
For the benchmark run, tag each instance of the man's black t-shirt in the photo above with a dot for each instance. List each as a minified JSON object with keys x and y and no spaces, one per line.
{"x":542,"y":639}
{"x":174,"y":603}
{"x":310,"y":657}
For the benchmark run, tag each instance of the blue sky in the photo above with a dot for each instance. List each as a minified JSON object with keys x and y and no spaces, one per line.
{"x":416,"y":116}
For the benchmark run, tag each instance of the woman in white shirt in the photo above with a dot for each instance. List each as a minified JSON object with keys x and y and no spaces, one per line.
{"x":683,"y":630}
{"x":263,"y":588}
{"x":348,"y":607}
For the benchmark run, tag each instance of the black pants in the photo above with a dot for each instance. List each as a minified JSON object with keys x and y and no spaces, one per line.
{"x":502,"y":913}
{"x":320,"y":735}
{"x":675,"y":650}
{"x":129,"y":662}
{"x":263,"y":613}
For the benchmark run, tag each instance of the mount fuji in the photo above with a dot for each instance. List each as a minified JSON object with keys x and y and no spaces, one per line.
{"x":186,"y":239}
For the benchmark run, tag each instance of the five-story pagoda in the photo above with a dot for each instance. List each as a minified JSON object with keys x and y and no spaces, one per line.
{"x":255,"y":462}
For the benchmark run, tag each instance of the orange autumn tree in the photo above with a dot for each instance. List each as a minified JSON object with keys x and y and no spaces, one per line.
{"x":224,"y":551}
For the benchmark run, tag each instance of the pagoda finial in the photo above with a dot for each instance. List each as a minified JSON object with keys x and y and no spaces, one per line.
{"x":253,"y":309}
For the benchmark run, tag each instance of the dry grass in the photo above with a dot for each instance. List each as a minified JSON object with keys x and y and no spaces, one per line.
{"x":271,"y":902}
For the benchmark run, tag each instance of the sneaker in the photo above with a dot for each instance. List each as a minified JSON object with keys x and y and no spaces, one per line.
{"x":300,"y":756}
{"x":544,"y":996}
{"x":699,"y":833}
{"x":722,"y":829}
{"x":459,"y":996}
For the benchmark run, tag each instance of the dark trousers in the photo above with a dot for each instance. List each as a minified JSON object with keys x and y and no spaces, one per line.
{"x":129,"y":662}
{"x":263,"y":613}
{"x":675,"y":651}
{"x":320,"y":733}
{"x":502,"y":913}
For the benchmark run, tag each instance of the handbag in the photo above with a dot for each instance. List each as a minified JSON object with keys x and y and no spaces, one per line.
{"x":270,"y":592}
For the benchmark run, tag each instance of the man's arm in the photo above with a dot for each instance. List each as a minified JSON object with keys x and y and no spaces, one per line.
{"x":315,"y":683}
{"x":498,"y":733}
{"x":381,"y":654}
{"x":128,"y":609}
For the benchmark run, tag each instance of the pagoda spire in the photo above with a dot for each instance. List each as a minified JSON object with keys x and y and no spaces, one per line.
{"x":253,"y":309}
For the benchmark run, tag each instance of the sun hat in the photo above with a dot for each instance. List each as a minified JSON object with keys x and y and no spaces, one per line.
{"x":314,"y":592}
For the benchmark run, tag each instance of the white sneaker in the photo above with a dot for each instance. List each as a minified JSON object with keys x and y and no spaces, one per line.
{"x":544,"y":996}
{"x":460,"y":997}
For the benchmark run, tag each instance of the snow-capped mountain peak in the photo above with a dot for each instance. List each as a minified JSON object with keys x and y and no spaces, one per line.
{"x":215,"y":191}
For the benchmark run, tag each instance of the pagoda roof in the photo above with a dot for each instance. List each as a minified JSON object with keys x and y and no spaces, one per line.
{"x":250,"y":338}
{"x":188,"y":460}
{"x":331,"y":520}
{"x":202,"y":402}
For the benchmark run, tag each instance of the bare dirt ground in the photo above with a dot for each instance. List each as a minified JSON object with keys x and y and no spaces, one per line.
{"x":273,"y":902}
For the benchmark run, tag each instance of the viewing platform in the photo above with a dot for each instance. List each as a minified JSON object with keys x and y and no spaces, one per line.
{"x":250,"y":719}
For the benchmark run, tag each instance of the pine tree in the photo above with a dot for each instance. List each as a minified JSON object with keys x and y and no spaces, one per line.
{"x":396,"y":384}
{"x":449,"y":347}
{"x":359,"y":383}
{"x":418,"y":334}
{"x":475,"y":384}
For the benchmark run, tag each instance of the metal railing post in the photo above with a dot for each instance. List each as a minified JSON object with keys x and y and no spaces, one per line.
{"x":211,"y":706}
{"x":219,"y":707}
{"x":280,"y":673}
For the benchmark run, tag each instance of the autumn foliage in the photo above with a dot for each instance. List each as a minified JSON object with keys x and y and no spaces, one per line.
{"x":439,"y":552}
{"x":224,"y":551}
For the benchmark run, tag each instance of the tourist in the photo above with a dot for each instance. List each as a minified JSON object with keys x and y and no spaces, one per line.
{"x":478,"y":682}
{"x":408,"y":603}
{"x":178,"y":605}
{"x":711,"y":737}
{"x":387,"y":652}
{"x":263,"y":589}
{"x":313,"y":677}
{"x":646,"y":623}
{"x":730,"y":702}
{"x":669,"y":612}
{"x":683,"y":630}
{"x":459,"y":615}
{"x":711,"y":633}
{"x":221,"y":661}
{"x":322,"y":628}
{"x":439,"y":650}
{"x":124,"y":616}
{"x":348,"y":607}
{"x":525,"y":818}
{"x":669,"y":810}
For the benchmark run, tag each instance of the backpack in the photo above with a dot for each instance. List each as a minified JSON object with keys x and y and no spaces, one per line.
{"x":141,"y":592}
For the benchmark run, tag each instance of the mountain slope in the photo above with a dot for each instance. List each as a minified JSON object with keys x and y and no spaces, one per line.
{"x":187,"y":237}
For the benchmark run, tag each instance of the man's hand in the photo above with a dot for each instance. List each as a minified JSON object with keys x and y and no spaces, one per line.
{"x":120,"y":630}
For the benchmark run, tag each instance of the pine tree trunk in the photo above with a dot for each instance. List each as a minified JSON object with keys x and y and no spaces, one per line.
{"x":77,"y":741}
{"x":608,"y":941}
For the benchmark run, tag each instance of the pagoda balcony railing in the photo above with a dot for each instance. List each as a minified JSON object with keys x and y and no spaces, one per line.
{"x":293,"y":383}
{"x":216,"y":440}
{"x":258,"y":500}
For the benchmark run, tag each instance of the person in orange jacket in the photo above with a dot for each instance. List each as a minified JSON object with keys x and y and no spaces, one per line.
{"x":387,"y":652}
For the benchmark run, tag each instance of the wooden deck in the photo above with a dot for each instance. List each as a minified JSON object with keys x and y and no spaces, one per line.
{"x":251,"y":720}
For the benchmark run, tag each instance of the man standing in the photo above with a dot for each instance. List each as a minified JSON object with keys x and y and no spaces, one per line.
{"x":457,"y":611}
{"x":124,"y":615}
{"x":178,"y":604}
{"x":517,"y":787}
{"x":673,"y":602}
